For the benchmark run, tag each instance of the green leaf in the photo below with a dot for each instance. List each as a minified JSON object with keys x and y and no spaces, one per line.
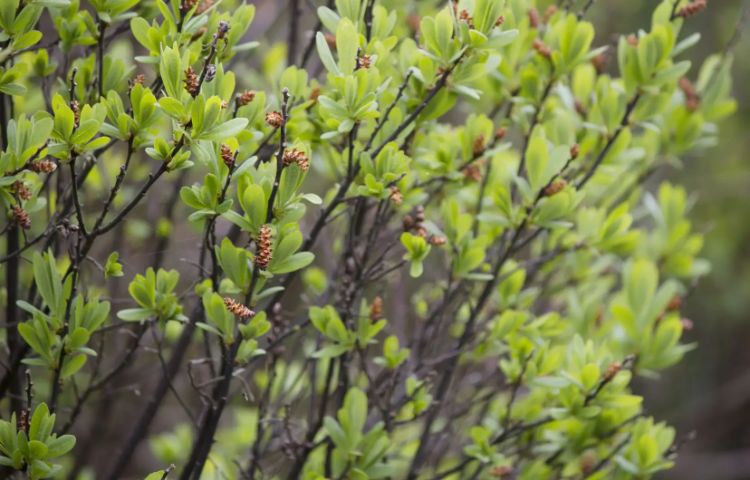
{"x":551,"y":382}
{"x":27,"y":39}
{"x":337,"y":434}
{"x":326,"y":57}
{"x":27,"y":332}
{"x":589,"y":376}
{"x":255,"y":205}
{"x":416,"y":268}
{"x":71,"y":365}
{"x":41,"y":412}
{"x":228,"y":129}
{"x":13,"y":89}
{"x":172,"y":107}
{"x":537,"y":159}
{"x":59,"y":446}
{"x":85,"y":132}
{"x":347,"y":46}
{"x":48,"y":281}
{"x":64,"y":120}
{"x":292,"y":263}
{"x":219,"y":316}
{"x":135,"y":314}
{"x":77,"y":338}
{"x":37,"y":450}
{"x":112,"y":268}
{"x":331,"y":351}
{"x":170,"y":69}
{"x":355,"y":410}
{"x":328,"y":18}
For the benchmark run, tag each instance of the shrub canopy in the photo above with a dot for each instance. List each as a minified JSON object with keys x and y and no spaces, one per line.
{"x":413,"y":243}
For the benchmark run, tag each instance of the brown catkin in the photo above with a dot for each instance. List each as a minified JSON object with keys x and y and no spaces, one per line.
{"x":227,"y":156}
{"x":555,"y":187}
{"x":23,"y":420}
{"x":419,"y":214}
{"x":21,"y":217}
{"x":551,"y":10}
{"x":139,"y":79}
{"x":692,"y":8}
{"x":331,"y":41}
{"x":501,"y":471}
{"x":575,"y":150}
{"x":472,"y":172}
{"x":587,"y":462}
{"x":407,"y":222}
{"x":204,"y":5}
{"x":534,"y":19}
{"x":314,"y":94}
{"x":692,"y":99}
{"x":191,"y":82}
{"x":293,"y":156}
{"x":364,"y":61}
{"x":466,"y":17}
{"x":20,"y":189}
{"x":303,"y":163}
{"x":396,"y":196}
{"x":612,"y":370}
{"x":600,"y":62}
{"x":75,"y":106}
{"x":274,"y":119}
{"x":237,"y":308}
{"x":438,"y":240}
{"x":44,"y":166}
{"x":414,"y":22}
{"x":675,"y":303}
{"x":376,"y":309}
{"x":264,"y":255}
{"x":478,"y":147}
{"x":245,"y":98}
{"x":542,"y":49}
{"x":186,"y":5}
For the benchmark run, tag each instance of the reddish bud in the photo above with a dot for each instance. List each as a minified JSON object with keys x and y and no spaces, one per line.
{"x":274,"y":119}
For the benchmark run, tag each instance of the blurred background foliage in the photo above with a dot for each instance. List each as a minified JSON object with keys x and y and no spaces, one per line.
{"x":709,"y":391}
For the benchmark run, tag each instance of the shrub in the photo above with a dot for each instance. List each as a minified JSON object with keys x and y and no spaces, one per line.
{"x":489,"y":272}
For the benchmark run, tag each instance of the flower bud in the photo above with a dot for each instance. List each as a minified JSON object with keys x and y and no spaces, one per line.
{"x":542,"y":49}
{"x":376,"y":309}
{"x":692,"y":8}
{"x":245,"y":98}
{"x":227,"y":156}
{"x":396,"y":196}
{"x":274,"y":119}
{"x":237,"y":308}
{"x":263,"y":254}
{"x":21,"y":217}
{"x":555,"y":187}
{"x":191,"y":82}
{"x":575,"y":150}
